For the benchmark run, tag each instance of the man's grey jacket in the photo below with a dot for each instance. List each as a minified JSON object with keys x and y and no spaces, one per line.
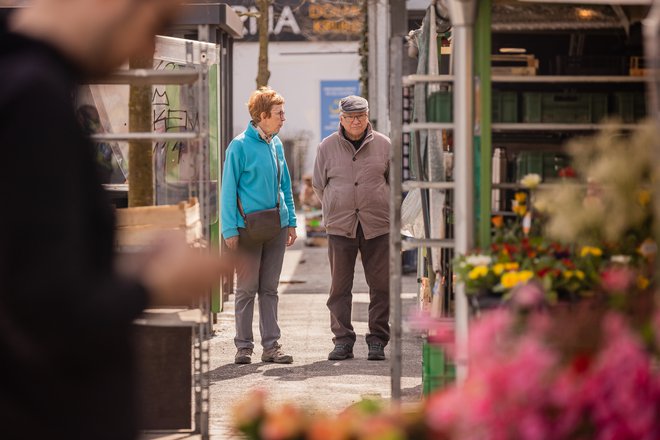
{"x":353,"y":185}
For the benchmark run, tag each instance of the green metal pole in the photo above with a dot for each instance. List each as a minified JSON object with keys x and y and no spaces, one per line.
{"x":484,"y":156}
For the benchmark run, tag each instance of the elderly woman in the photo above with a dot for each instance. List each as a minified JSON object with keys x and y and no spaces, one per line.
{"x":256,"y":181}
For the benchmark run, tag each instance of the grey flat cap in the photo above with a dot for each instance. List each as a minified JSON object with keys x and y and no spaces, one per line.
{"x":354,"y":104}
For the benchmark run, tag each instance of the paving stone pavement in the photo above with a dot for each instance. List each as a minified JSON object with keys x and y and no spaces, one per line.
{"x":312,"y":380}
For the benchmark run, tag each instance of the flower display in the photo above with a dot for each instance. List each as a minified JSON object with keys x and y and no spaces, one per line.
{"x":533,"y":374}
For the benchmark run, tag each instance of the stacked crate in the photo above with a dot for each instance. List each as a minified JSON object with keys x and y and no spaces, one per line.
{"x":438,"y":370}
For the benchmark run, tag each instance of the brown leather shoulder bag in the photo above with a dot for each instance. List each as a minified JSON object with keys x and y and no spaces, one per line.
{"x":261,"y":226}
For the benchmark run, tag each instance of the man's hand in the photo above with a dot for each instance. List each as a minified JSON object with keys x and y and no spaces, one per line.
{"x":176,"y":274}
{"x":292,"y":237}
{"x":232,"y":243}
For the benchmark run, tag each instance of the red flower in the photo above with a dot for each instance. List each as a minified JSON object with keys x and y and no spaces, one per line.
{"x":581,"y":363}
{"x":567,"y":172}
{"x":543,"y":272}
{"x":568,"y":263}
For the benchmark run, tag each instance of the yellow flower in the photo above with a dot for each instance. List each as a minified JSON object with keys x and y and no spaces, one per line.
{"x":521,"y":210}
{"x":590,"y":250}
{"x":644,"y":197}
{"x":573,"y":274}
{"x":643,"y":282}
{"x":498,"y":269}
{"x":509,"y":280}
{"x":511,"y":266}
{"x":478,"y":272}
{"x":513,"y":278}
{"x":525,"y":276}
{"x":521,"y":197}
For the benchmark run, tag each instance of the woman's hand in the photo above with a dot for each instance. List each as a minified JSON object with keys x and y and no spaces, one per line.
{"x":232,"y":243}
{"x":292,"y":237}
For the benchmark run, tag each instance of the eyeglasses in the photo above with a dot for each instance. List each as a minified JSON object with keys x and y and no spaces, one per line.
{"x":358,"y":118}
{"x":280,"y":114}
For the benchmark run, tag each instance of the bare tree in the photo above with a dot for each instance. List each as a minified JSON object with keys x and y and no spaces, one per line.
{"x":140,"y":153}
{"x":263,"y":74}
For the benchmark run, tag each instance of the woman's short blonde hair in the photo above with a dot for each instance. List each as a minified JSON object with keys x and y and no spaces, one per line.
{"x":262,"y":101}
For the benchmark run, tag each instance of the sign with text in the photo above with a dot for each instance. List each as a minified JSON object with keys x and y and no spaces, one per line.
{"x":304,"y":20}
{"x":331,"y":93}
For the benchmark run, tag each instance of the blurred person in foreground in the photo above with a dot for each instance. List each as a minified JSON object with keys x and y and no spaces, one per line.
{"x":253,"y":181}
{"x":65,"y":308}
{"x":351,"y":177}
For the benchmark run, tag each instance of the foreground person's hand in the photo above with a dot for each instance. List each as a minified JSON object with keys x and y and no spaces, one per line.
{"x":176,"y":274}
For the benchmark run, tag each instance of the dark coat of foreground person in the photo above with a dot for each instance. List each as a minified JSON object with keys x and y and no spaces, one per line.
{"x":65,"y":357}
{"x":66,"y":308}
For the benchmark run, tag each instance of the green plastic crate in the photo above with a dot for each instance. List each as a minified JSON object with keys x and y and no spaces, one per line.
{"x":578,"y":108}
{"x":439,"y":370}
{"x":440,"y":107}
{"x":546,"y":165}
{"x":629,"y":106}
{"x":432,"y":384}
{"x":505,"y":107}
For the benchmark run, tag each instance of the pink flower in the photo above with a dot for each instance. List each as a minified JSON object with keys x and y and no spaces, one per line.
{"x":528,"y":296}
{"x":617,"y":279}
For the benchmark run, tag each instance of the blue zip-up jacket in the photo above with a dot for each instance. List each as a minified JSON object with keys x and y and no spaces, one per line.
{"x":250,"y":171}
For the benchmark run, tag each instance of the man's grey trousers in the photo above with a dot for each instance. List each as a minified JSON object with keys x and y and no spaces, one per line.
{"x":258,"y":273}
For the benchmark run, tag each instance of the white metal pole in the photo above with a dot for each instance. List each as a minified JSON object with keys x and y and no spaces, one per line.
{"x":396,"y":104}
{"x":463,"y":13}
{"x":382,"y":65}
{"x":652,"y":51}
{"x":372,"y":37}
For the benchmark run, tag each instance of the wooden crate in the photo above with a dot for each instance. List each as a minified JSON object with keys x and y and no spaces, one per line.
{"x":638,"y":66}
{"x":137,"y":227}
{"x":518,"y":65}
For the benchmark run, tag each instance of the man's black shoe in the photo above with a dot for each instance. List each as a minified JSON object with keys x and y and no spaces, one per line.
{"x":376,"y":352}
{"x":341,"y":352}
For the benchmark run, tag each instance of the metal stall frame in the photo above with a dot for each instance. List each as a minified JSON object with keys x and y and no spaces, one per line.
{"x":463,"y":14}
{"x":197,"y":79}
{"x":224,"y":26}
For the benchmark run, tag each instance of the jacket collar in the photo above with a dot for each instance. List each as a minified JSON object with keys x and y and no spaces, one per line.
{"x":368,"y":138}
{"x":255,"y":132}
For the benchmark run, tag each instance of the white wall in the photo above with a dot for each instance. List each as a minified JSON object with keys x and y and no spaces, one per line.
{"x":297,"y":69}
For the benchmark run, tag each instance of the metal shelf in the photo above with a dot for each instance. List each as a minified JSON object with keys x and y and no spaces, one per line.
{"x":415,"y":184}
{"x":558,"y":127}
{"x":147,"y":77}
{"x":426,"y":79}
{"x":415,"y":126}
{"x":123,"y":137}
{"x":567,"y":79}
{"x":414,"y":243}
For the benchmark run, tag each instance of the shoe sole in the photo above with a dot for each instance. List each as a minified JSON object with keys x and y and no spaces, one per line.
{"x":376,"y":357}
{"x":243,"y":361}
{"x":284,"y":360}
{"x":341,"y":358}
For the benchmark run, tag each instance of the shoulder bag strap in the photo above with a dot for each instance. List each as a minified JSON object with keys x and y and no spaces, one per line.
{"x":277,"y":188}
{"x":277,"y":184}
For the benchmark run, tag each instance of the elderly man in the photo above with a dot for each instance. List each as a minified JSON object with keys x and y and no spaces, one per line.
{"x":351,"y":179}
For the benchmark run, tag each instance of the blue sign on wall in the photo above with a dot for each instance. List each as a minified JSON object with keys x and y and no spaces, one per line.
{"x":331,"y":94}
